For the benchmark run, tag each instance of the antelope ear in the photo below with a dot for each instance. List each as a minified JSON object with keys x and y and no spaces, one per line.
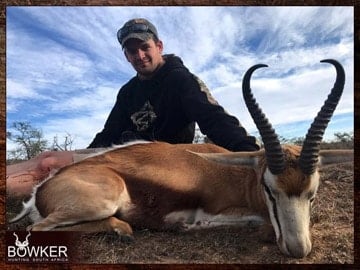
{"x":232,"y":158}
{"x":336,"y":156}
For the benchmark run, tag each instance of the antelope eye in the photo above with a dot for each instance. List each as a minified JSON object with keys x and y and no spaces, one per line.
{"x":311,"y":197}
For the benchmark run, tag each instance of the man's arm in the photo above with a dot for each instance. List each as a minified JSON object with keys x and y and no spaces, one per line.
{"x":222,"y":128}
{"x":22,"y":177}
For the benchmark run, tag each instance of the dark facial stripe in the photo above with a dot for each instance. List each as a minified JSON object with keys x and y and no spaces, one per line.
{"x":272,"y":199}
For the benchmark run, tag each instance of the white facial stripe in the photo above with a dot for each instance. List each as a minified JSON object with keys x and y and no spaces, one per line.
{"x":269,"y":182}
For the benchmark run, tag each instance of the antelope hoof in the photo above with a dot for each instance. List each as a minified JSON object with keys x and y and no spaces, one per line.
{"x":127,"y":238}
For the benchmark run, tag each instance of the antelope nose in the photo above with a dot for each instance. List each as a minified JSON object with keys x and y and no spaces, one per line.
{"x":299,"y":250}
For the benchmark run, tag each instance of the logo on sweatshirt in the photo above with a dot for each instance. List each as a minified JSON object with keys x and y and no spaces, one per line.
{"x":144,"y":118}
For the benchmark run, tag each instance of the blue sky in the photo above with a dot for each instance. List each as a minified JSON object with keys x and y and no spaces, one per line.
{"x":64,"y":65}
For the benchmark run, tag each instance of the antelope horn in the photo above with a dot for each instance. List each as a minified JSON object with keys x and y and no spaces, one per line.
{"x":310,"y":151}
{"x":273,"y":151}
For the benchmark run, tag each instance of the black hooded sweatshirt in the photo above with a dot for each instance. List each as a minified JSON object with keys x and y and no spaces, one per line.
{"x":166,"y":107}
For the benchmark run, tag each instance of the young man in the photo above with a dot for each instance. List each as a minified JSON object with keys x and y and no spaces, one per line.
{"x":162,"y":102}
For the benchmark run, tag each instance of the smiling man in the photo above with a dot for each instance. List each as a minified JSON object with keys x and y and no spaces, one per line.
{"x":164,"y":100}
{"x":143,"y":48}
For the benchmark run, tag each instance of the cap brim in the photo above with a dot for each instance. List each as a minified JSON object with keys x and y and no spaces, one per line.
{"x":141,"y":36}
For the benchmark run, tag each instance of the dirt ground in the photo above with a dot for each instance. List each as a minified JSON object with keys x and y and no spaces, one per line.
{"x":333,"y":235}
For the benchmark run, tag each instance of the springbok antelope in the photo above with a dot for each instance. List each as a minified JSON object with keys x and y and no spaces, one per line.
{"x":162,"y":186}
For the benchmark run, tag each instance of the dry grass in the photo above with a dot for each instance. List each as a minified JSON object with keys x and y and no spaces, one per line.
{"x":333,"y":235}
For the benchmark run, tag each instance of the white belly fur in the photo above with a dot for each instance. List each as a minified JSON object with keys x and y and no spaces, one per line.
{"x":198,"y":219}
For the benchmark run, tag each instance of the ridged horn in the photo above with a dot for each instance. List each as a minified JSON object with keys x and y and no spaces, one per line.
{"x":310,"y":152}
{"x":273,"y":151}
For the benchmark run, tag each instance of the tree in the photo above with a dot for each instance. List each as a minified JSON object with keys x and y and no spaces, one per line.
{"x":344,"y":137}
{"x":65,"y":146}
{"x":29,"y":139}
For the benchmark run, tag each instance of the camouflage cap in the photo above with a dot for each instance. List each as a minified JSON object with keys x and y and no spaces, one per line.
{"x":136,"y":28}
